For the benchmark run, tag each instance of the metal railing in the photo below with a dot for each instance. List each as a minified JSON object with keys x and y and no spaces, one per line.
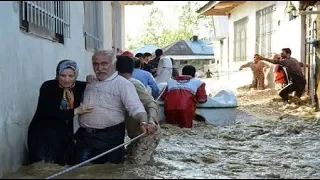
{"x":266,"y":24}
{"x":93,"y":24}
{"x":51,"y":15}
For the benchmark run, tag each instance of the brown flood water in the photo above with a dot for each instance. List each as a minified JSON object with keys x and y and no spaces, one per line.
{"x":259,"y":145}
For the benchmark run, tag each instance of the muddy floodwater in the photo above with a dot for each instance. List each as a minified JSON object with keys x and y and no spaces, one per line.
{"x":268,"y":140}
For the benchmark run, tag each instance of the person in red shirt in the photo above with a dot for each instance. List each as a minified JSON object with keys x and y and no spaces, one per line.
{"x":181,"y":96}
{"x":128,"y":53}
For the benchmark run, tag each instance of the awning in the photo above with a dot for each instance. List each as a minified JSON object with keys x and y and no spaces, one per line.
{"x":136,"y":2}
{"x":219,"y":8}
{"x":195,"y":57}
{"x":303,"y":5}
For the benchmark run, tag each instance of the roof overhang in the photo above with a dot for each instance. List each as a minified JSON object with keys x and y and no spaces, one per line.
{"x":303,"y":5}
{"x":136,"y":2}
{"x":191,"y":57}
{"x":218,"y":8}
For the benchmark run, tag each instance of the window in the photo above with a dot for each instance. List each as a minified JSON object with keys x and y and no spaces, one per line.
{"x":266,"y":23}
{"x":93,"y":24}
{"x":49,"y":19}
{"x":240,"y":36}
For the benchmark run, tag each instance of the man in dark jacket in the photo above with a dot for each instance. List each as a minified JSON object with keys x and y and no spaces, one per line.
{"x":155,"y":61}
{"x":297,"y":81}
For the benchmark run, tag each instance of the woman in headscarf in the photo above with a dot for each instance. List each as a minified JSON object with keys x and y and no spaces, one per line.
{"x":50,"y":134}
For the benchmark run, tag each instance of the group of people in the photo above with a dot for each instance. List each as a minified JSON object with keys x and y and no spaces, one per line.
{"x":116,"y":100}
{"x":288,"y":73}
{"x":182,"y":93}
{"x":107,"y":105}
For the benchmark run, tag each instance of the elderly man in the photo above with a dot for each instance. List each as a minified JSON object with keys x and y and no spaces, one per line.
{"x":104,"y":128}
{"x":139,"y":152}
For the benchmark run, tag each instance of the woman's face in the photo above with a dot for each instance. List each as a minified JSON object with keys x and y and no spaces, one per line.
{"x":67,"y":78}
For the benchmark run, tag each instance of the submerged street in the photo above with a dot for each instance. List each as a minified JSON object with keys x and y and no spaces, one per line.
{"x":266,"y":141}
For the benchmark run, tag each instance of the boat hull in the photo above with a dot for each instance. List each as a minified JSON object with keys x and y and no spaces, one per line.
{"x":219,"y":110}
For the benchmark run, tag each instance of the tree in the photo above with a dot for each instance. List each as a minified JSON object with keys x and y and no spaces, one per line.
{"x":131,"y":43}
{"x":156,"y":33}
{"x":153,"y":28}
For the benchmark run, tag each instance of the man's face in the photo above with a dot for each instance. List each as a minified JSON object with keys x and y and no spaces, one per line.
{"x":144,"y":59}
{"x":102,"y":66}
{"x":149,"y":58}
{"x":256,"y":58}
{"x":284,"y":55}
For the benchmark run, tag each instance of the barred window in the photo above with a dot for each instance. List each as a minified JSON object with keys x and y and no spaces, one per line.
{"x":93,"y":24}
{"x":240,"y":39}
{"x":50,"y":19}
{"x":265,"y":29}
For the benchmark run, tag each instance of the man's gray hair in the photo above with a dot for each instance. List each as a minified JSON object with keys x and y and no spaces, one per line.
{"x":108,"y":53}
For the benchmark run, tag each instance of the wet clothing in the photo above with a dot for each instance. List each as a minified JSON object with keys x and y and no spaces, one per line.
{"x":92,"y":142}
{"x":140,"y":151}
{"x":297,"y":81}
{"x":280,"y":75}
{"x":112,"y":98}
{"x":50,"y":134}
{"x":258,"y":74}
{"x":180,"y":98}
{"x":288,"y":89}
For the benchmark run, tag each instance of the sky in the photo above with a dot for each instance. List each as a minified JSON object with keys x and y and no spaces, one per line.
{"x":135,"y":14}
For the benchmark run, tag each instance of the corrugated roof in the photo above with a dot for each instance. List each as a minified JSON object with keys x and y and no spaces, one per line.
{"x":188,"y":47}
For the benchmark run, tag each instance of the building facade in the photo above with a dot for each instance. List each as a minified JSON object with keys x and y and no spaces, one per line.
{"x":262,"y":27}
{"x":35,"y":36}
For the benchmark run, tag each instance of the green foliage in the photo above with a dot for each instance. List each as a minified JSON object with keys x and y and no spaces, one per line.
{"x":156,"y":33}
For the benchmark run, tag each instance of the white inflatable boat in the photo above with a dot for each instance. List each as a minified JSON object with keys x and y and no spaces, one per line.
{"x":218,"y":110}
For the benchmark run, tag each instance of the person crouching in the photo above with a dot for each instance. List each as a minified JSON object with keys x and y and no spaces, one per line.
{"x":181,"y":96}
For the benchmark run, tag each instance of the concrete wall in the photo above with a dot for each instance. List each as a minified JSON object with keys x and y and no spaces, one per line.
{"x":288,"y":34}
{"x":26,"y":62}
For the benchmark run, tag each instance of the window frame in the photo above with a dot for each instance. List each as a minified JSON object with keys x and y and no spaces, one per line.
{"x":93,"y":29}
{"x":266,"y":24}
{"x":46,"y":19}
{"x":240,"y":27}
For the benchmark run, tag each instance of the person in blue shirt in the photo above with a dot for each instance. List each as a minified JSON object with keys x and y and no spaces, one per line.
{"x":146,"y":78}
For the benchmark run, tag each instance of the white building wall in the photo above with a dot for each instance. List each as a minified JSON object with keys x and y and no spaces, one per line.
{"x":288,"y":35}
{"x":26,"y":62}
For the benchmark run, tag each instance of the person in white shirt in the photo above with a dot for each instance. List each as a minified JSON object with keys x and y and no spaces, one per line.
{"x":103,"y":129}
